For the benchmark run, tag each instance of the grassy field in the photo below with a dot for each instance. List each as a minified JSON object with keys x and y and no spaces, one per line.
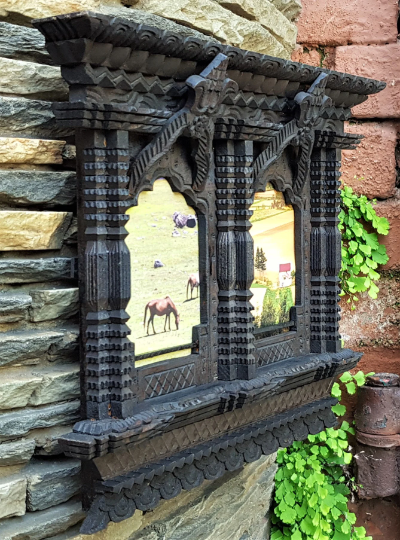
{"x":150,"y":237}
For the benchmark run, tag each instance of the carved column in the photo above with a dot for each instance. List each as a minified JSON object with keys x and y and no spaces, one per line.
{"x":104,"y":273}
{"x":325,"y":250}
{"x":235,"y":258}
{"x":244,"y":195}
{"x":226,"y":261}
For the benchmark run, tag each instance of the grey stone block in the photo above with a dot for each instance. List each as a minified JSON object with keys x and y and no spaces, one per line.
{"x":12,"y":496}
{"x":39,"y":525}
{"x":16,"y":452}
{"x":29,"y":117}
{"x":18,"y":424}
{"x":51,"y":482}
{"x":22,"y":43}
{"x":31,"y":79}
{"x":14,"y":307}
{"x":235,"y":507}
{"x":46,"y":440}
{"x":21,"y":387}
{"x":35,"y":270}
{"x":71,"y":236}
{"x":43,"y":188}
{"x":53,"y":304}
{"x":22,"y":346}
{"x":67,"y":348}
{"x":143,"y":17}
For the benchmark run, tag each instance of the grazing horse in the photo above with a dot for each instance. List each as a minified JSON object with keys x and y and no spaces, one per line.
{"x":160,"y":307}
{"x":194,"y":282}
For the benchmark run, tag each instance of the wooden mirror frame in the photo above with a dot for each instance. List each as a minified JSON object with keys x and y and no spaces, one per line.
{"x":219,"y":123}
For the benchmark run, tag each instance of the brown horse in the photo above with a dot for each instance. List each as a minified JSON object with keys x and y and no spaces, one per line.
{"x":194,"y":282}
{"x":160,"y":307}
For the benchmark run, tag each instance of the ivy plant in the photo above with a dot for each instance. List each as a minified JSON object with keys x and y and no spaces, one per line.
{"x":313,"y":483}
{"x":361,"y":250}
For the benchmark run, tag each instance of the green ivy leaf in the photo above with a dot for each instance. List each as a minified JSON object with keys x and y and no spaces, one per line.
{"x":307,"y":526}
{"x":351,"y":388}
{"x":346,"y":527}
{"x":346,"y":377}
{"x":277,"y":535}
{"x":359,"y":377}
{"x":365,"y":248}
{"x":341,"y":536}
{"x":336,"y":392}
{"x":339,"y":410}
{"x":288,"y":516}
{"x":296,"y":535}
{"x":373,"y":291}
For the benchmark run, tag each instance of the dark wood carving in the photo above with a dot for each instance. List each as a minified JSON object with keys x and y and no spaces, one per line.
{"x":218,"y":123}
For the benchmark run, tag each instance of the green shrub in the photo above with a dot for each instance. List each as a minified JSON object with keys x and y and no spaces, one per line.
{"x":313,"y":483}
{"x":361,"y":251}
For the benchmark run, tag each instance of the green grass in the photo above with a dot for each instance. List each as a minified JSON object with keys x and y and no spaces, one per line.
{"x":180,"y":257}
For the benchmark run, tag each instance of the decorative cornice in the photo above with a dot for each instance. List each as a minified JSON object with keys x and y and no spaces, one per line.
{"x":179,"y":54}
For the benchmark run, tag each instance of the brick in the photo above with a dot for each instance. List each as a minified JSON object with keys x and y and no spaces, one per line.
{"x":12,"y":496}
{"x":314,"y":56}
{"x":377,"y":62}
{"x":342,"y":22}
{"x":374,"y":160}
{"x":391,"y":210}
{"x":374,"y":322}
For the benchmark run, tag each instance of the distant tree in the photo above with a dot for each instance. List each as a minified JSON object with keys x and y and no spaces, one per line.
{"x":270,"y":311}
{"x":261,"y":260}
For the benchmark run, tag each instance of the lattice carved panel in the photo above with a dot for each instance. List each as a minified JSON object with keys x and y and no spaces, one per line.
{"x":172,"y":380}
{"x":274,"y":353}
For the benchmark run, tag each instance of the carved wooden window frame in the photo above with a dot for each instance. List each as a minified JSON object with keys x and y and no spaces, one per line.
{"x":147,"y":103}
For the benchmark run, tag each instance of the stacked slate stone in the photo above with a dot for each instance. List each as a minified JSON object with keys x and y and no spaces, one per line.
{"x":39,"y":367}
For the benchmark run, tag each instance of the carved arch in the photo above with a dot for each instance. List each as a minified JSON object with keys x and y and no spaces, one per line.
{"x":174,"y":168}
{"x":280,"y":175}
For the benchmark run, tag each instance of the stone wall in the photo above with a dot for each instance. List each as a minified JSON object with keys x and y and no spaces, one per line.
{"x":360,"y":36}
{"x":39,"y":367}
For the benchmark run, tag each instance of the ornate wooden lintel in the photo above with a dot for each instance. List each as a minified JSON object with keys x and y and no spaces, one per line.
{"x":219,"y":123}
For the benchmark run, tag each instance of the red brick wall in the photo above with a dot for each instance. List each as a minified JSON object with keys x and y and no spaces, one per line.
{"x":360,"y":36}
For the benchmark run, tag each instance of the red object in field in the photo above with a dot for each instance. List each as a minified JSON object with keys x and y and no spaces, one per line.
{"x":285,"y":267}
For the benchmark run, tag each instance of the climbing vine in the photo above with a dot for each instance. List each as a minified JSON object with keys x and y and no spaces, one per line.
{"x":313,"y":482}
{"x":361,"y":250}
